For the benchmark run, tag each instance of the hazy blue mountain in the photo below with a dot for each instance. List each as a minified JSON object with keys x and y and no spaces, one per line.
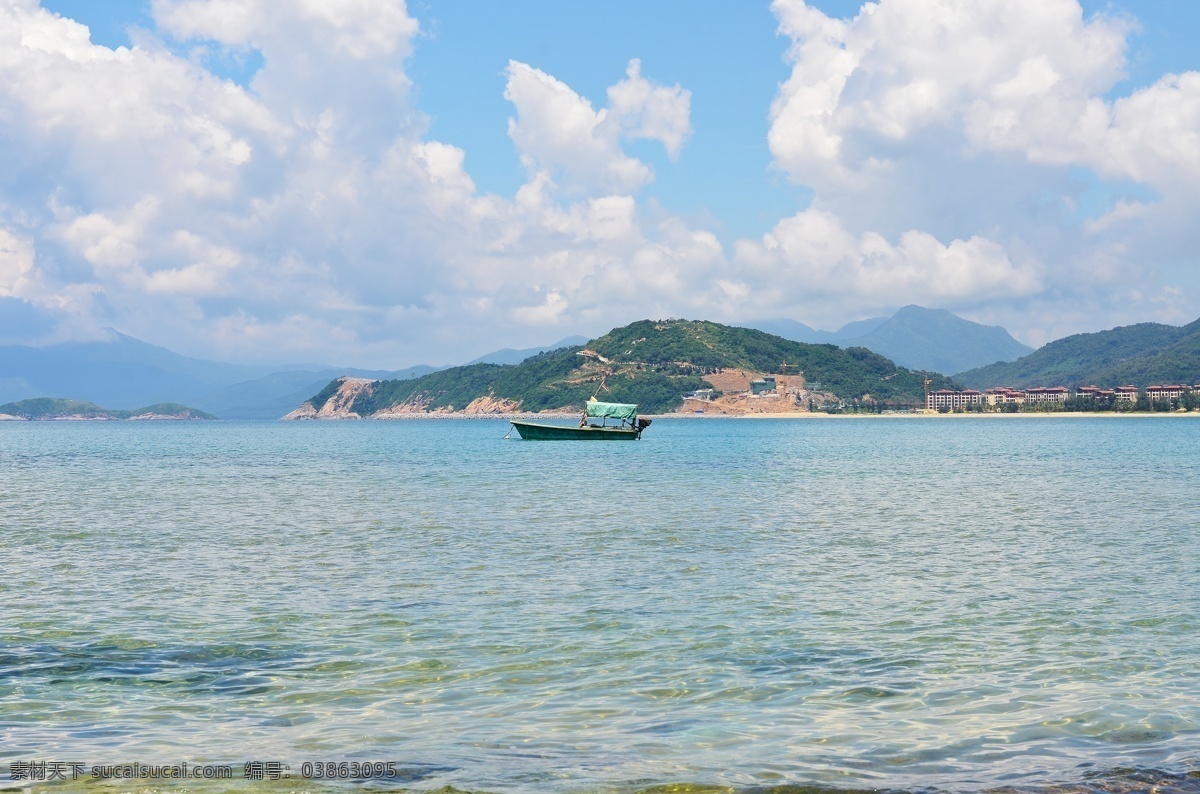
{"x":793,"y":330}
{"x":799,"y":332}
{"x":914,"y":337}
{"x":1139,"y":354}
{"x":859,"y":328}
{"x":937,"y":340}
{"x":272,"y":396}
{"x":123,"y":372}
{"x":510,"y":356}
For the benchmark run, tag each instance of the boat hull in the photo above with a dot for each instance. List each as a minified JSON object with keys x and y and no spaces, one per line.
{"x":532,"y":431}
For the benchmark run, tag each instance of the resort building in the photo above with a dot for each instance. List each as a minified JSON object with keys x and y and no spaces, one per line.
{"x":1127,"y":393}
{"x":1053,"y":394}
{"x":948,"y":398}
{"x":1096,"y":393}
{"x":1004,"y":395}
{"x":1047,"y":396}
{"x":1160,"y":392}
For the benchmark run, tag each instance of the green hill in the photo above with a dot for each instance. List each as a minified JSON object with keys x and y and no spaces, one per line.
{"x":652,"y":363}
{"x":42,"y":408}
{"x":1140,"y":354}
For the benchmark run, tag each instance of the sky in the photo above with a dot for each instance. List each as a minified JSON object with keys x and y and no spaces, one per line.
{"x":381,"y":184}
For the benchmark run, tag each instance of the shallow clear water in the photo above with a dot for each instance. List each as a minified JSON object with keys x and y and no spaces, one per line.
{"x":950,"y":603}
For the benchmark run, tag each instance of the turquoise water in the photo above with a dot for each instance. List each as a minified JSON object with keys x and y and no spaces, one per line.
{"x":957,"y":604}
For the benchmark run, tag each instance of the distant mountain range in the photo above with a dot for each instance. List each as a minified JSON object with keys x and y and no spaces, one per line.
{"x":273,"y":395}
{"x":127,"y":372}
{"x":510,"y":356}
{"x":799,"y":332}
{"x":1140,"y":354}
{"x":914,"y":337}
{"x":124,"y":371}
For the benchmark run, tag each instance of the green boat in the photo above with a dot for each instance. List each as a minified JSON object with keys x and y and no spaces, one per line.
{"x":630,"y":429}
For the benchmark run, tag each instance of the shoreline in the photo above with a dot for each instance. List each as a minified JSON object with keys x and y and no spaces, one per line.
{"x":934,"y":415}
{"x":813,"y":415}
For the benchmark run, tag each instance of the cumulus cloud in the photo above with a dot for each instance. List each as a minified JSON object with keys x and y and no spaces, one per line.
{"x":645,"y":110}
{"x":333,"y":69}
{"x":360,"y":29}
{"x":1022,"y":76}
{"x":307,"y":214}
{"x":310,"y":216}
{"x":79,"y":114}
{"x":1008,"y":72}
{"x":558,"y":131}
{"x":811,"y":256}
{"x":16,"y":265}
{"x":975,"y":120}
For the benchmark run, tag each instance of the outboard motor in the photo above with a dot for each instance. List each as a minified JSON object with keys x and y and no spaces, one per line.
{"x":641,"y":423}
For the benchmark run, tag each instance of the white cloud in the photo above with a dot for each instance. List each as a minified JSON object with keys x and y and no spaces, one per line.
{"x":975,"y":119}
{"x":652,"y":112}
{"x":1153,"y":136}
{"x":810,"y":261}
{"x":333,"y":69}
{"x":359,"y":29}
{"x":558,"y":131}
{"x":82,"y":113}
{"x":112,"y":245}
{"x":1010,"y":72}
{"x":1023,"y":76}
{"x":17,"y":273}
{"x":310,"y":216}
{"x":205,"y":271}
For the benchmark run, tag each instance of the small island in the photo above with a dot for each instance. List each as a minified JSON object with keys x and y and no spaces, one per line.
{"x":665,"y":366}
{"x":43,"y":409}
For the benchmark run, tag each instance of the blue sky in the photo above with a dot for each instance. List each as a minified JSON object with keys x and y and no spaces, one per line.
{"x":728,"y":54}
{"x":464,"y":48}
{"x":748,"y":174}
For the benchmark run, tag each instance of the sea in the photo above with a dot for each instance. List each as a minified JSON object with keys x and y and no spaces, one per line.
{"x":911,"y":604}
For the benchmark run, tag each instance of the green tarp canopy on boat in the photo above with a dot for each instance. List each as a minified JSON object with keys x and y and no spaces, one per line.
{"x":611,"y":410}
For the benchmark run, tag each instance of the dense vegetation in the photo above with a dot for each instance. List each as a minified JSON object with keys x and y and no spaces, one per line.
{"x":849,"y":374}
{"x":652,"y":364}
{"x":61,"y":408}
{"x":557,"y":379}
{"x":1140,"y":354}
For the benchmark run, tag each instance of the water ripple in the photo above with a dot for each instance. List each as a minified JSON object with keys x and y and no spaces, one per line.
{"x":751,"y":606}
